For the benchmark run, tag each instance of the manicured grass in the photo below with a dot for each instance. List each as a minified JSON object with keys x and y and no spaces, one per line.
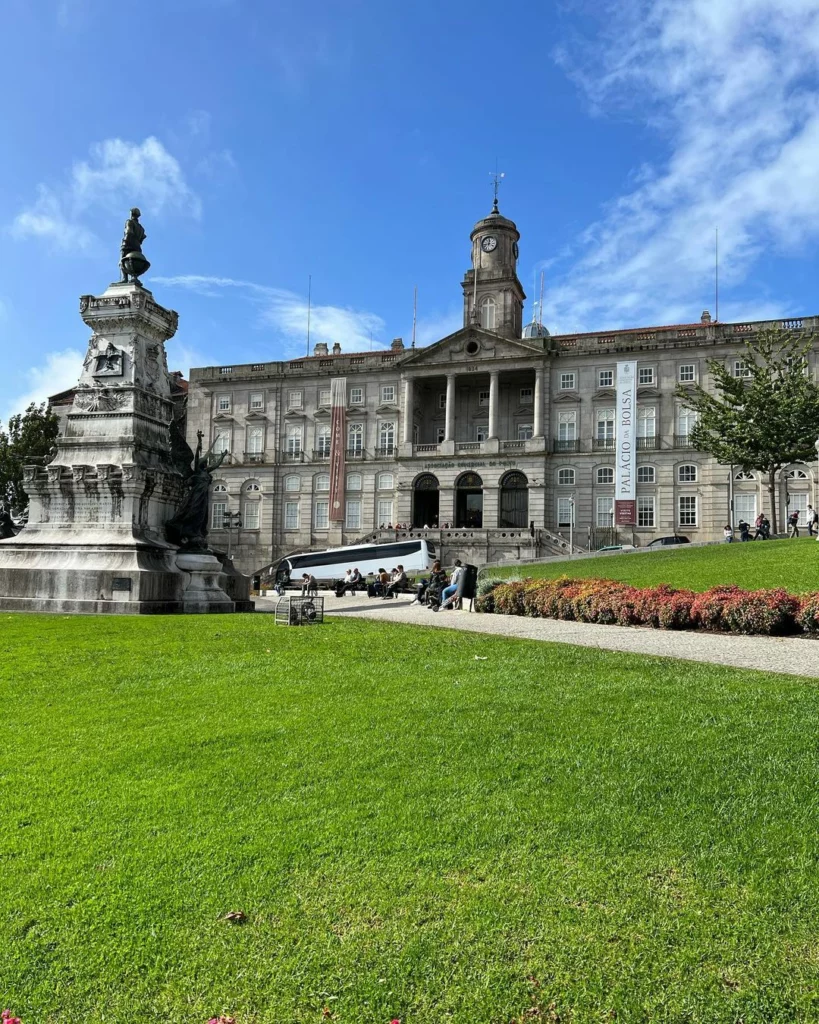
{"x":411,"y":832}
{"x":792,"y":564}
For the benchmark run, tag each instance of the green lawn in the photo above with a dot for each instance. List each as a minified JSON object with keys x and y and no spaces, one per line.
{"x":793,"y":564}
{"x":411,"y":832}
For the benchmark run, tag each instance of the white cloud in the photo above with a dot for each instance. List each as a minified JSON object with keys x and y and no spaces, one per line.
{"x":117,"y":175}
{"x":286,"y":313}
{"x":58,"y":372}
{"x":731,"y":84}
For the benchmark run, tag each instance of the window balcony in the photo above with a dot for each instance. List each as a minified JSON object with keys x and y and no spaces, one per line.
{"x":425,"y":449}
{"x":572,"y":445}
{"x":294,"y":456}
{"x":385,"y":451}
{"x":514,"y":446}
{"x":253,"y":457}
{"x":647,"y":444}
{"x":321,"y":454}
{"x":468,"y":446}
{"x":683,"y":441}
{"x":601,"y":443}
{"x":355,"y":453}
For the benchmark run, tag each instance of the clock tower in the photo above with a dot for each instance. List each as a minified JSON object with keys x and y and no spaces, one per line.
{"x":493,"y":295}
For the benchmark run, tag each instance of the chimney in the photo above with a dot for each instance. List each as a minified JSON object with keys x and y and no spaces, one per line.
{"x":336,"y":349}
{"x":397,"y":345}
{"x":706,"y":317}
{"x":320,"y":349}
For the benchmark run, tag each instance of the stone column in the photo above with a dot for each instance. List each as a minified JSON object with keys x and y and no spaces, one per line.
{"x":450,"y":407}
{"x":408,"y":413}
{"x":538,"y":424}
{"x":493,"y":403}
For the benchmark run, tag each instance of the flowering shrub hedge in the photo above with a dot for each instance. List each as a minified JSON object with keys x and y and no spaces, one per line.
{"x":728,"y":609}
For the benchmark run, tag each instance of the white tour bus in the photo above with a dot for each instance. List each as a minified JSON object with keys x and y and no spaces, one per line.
{"x":414,"y":555}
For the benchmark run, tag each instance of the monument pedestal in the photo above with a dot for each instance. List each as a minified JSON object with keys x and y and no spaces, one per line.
{"x":95,"y":539}
{"x":202,"y":593}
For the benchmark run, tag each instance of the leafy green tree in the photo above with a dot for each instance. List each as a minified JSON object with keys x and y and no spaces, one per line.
{"x":29,"y":437}
{"x":764,"y":419}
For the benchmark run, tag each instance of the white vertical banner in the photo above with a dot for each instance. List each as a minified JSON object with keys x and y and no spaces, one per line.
{"x":625,"y":473}
{"x":338,"y":402}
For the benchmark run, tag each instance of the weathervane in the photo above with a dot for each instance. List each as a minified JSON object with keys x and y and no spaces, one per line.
{"x":496,"y":177}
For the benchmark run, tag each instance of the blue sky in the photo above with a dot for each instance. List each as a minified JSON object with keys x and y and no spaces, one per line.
{"x":268,"y":141}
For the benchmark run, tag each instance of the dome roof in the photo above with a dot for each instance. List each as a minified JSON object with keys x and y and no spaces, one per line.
{"x":534,"y":330}
{"x":495,"y":220}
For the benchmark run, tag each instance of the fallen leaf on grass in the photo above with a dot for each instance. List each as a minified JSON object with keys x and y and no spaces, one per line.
{"x":235,"y":916}
{"x":479,"y":658}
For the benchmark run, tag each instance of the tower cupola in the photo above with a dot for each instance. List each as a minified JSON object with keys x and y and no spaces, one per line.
{"x":493,"y":295}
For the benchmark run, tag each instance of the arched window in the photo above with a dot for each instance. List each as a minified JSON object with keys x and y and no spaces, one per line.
{"x":353,"y":481}
{"x":355,"y":438}
{"x":687,"y":474}
{"x":323,"y":440}
{"x":252,"y":487}
{"x":605,"y":475}
{"x":292,"y":483}
{"x":322,"y":482}
{"x":469,"y":482}
{"x":742,"y":475}
{"x":646,"y":475}
{"x":386,"y":437}
{"x":255,"y":440}
{"x":796,"y":474}
{"x":220,"y":488}
{"x":488,"y":313}
{"x":514,"y":501}
{"x":565,"y":476}
{"x":386,"y":482}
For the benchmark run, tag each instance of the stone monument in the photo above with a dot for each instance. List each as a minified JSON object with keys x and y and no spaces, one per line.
{"x":107,"y":518}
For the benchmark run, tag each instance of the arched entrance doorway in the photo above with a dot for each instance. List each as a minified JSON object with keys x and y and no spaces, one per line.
{"x":514,"y":501}
{"x":425,"y":501}
{"x":469,"y":501}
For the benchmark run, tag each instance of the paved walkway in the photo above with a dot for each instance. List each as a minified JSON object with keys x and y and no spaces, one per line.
{"x":792,"y":655}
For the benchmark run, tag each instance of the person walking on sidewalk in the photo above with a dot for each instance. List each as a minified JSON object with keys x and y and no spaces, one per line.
{"x":811,"y":518}
{"x":793,"y":523}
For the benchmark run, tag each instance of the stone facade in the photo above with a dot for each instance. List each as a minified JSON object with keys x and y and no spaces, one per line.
{"x":484,"y":442}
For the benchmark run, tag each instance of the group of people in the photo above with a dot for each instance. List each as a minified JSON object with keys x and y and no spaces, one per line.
{"x":762,"y":526}
{"x":437,"y":592}
{"x":387,"y":584}
{"x":426,"y":526}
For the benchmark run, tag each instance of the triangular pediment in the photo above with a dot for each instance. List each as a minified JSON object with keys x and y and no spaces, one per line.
{"x":472,"y":345}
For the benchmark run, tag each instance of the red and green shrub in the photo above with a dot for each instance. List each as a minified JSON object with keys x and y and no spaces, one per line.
{"x":609,"y":602}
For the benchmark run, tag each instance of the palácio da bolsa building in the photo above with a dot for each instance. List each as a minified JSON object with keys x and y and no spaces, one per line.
{"x":498,"y":442}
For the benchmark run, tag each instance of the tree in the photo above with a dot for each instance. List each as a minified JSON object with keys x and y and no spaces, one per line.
{"x":28,"y":438}
{"x":764,"y":417}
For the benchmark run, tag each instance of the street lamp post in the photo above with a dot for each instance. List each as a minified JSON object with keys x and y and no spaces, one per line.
{"x":571,"y":526}
{"x":816,"y":487}
{"x":231,"y":521}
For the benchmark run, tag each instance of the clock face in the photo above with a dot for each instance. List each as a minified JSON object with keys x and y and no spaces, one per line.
{"x":515,"y":250}
{"x":489,"y":243}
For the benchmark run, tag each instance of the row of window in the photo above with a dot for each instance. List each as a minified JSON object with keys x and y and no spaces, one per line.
{"x":645,"y":475}
{"x":647,"y":375}
{"x":295,"y":399}
{"x":745,"y":506}
{"x":687,"y":511}
{"x":321,"y":514}
{"x":686,"y":474}
{"x":321,"y":482}
{"x":567,"y":430}
{"x":567,"y":422}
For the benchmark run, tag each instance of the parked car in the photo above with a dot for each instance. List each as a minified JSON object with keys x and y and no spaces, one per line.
{"x":663,"y":541}
{"x":618,"y":547}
